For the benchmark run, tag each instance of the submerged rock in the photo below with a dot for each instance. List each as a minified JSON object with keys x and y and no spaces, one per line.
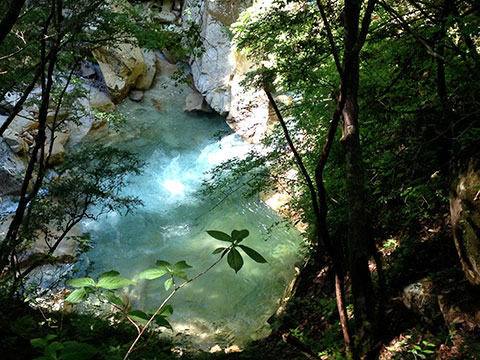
{"x":136,"y":95}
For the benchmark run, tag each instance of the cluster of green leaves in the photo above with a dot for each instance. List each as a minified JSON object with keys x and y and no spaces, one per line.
{"x":110,"y":280}
{"x":234,"y":258}
{"x":68,"y":350}
{"x":165,"y":268}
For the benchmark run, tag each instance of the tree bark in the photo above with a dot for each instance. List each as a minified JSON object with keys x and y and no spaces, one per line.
{"x":358,"y":242}
{"x":10,"y":18}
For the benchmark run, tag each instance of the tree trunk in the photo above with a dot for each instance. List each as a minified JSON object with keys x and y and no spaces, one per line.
{"x":10,"y":18}
{"x":358,"y":242}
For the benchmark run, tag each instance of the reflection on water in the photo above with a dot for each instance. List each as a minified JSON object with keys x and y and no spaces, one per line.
{"x":178,"y":149}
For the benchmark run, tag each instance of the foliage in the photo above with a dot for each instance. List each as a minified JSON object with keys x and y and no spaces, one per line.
{"x":110,"y":280}
{"x":234,"y":258}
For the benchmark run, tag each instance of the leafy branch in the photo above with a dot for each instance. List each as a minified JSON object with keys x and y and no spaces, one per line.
{"x":110,"y":280}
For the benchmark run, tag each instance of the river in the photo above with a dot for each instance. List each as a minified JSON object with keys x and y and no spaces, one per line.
{"x":220,"y":307}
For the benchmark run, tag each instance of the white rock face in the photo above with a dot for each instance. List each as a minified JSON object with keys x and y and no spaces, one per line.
{"x":196,"y":102}
{"x":218,"y":72}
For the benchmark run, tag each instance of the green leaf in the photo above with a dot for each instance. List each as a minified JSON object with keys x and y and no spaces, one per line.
{"x":181,"y":275}
{"x":112,"y":298}
{"x":180,"y":266}
{"x":151,"y":274}
{"x":253,"y":254}
{"x":165,"y":264}
{"x":111,"y":281}
{"x":138,"y":316}
{"x":166,"y":311}
{"x":161,"y":321}
{"x":39,"y":343}
{"x":108,"y":274}
{"x":50,"y":337}
{"x":168,"y":283}
{"x":81,"y":282}
{"x":218,"y":250}
{"x":235,"y":260}
{"x":74,"y":350}
{"x":77,"y":296}
{"x":219,"y":235}
{"x":238,"y":236}
{"x":51,"y":350}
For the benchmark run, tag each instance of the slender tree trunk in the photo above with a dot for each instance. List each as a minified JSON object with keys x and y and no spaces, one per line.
{"x":10,"y":18}
{"x":358,"y":242}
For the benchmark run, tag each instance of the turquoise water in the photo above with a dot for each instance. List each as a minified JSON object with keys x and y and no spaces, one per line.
{"x":221,"y":306}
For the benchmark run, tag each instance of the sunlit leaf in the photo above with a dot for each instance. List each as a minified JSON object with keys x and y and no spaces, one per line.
{"x":109,"y":274}
{"x":77,"y":296}
{"x":253,"y":254}
{"x":151,"y":274}
{"x":168,"y":283}
{"x":81,"y":282}
{"x":112,"y":281}
{"x":219,"y":235}
{"x":235,"y":260}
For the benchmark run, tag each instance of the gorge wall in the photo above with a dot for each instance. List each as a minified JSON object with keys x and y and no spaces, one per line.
{"x":218,"y":72}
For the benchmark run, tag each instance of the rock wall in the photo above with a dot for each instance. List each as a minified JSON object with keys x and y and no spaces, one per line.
{"x":465,"y":212}
{"x":218,"y":72}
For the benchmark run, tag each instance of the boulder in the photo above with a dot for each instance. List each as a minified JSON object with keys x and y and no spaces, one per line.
{"x":145,"y":81}
{"x":121,"y":67}
{"x":17,"y":134}
{"x":11,"y":170}
{"x":164,"y":67}
{"x":165,"y":17}
{"x":420,"y":297}
{"x":99,"y":100}
{"x":465,"y":212}
{"x":58,"y":154}
{"x":169,"y":56}
{"x":136,"y":95}
{"x":61,"y":115}
{"x":21,"y":123}
{"x":167,"y":5}
{"x":87,"y":70}
{"x":196,"y":102}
